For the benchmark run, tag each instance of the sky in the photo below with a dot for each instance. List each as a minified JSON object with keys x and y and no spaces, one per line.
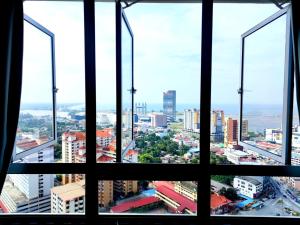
{"x":167,"y":51}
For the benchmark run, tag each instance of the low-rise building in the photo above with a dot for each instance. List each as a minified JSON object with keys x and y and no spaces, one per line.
{"x":187,"y":189}
{"x":68,"y":198}
{"x":248,"y":186}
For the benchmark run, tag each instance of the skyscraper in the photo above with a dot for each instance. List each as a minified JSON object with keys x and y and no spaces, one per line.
{"x":230,"y":131}
{"x":169,"y":105}
{"x":217,"y":126}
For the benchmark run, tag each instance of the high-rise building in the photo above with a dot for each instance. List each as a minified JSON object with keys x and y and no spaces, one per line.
{"x":72,"y":141}
{"x":230,"y":132}
{"x":169,"y":105}
{"x":245,"y":128}
{"x":68,"y":198}
{"x":158,"y":120}
{"x":105,"y":193}
{"x":217,"y":126}
{"x":188,"y":119}
{"x":125,"y":187}
{"x":26,"y":193}
{"x":191,"y":119}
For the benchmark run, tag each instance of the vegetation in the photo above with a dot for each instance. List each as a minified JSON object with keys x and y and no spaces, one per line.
{"x":215,"y":159}
{"x":153,"y":147}
{"x":229,"y":193}
{"x":223,"y":179}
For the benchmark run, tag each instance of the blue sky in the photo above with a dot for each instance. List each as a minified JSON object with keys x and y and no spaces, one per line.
{"x":167,"y":52}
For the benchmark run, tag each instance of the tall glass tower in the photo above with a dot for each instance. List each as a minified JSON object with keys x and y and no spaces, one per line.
{"x":169,"y":99}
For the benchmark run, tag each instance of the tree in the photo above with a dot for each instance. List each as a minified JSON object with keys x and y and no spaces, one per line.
{"x":229,"y":193}
{"x":223,"y":179}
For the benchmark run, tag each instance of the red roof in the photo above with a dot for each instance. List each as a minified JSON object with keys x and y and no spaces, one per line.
{"x":217,"y":201}
{"x":103,"y":134}
{"x":168,"y":184}
{"x":27,"y":144}
{"x":105,"y":158}
{"x":126,"y":206}
{"x":80,"y":136}
{"x":184,"y":203}
{"x":131,"y":152}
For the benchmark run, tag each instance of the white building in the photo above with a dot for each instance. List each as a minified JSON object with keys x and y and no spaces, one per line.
{"x":29,"y":192}
{"x":240,"y":157}
{"x":296,"y":139}
{"x":191,"y":120}
{"x":274,"y":135}
{"x":69,"y":198}
{"x":249,"y":186}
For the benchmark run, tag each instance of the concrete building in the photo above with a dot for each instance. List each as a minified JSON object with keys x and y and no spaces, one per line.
{"x":29,"y":192}
{"x":72,"y":141}
{"x":273,"y":135}
{"x":217,"y":126}
{"x":68,"y":198}
{"x":230,"y":132}
{"x":125,"y":187}
{"x":169,"y":105}
{"x":158,"y":120}
{"x":245,"y":129}
{"x":251,"y":187}
{"x":105,"y":192}
{"x":187,"y":189}
{"x":191,"y":120}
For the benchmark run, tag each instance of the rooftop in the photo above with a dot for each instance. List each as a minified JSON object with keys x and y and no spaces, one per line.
{"x":70,"y":191}
{"x":126,"y":206}
{"x":184,"y":203}
{"x":217,"y":201}
{"x":15,"y":194}
{"x":249,"y":179}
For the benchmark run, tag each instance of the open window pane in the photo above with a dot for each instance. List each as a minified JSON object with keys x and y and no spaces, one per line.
{"x":264,"y":61}
{"x":258,"y":196}
{"x":127,"y":83}
{"x":67,"y":25}
{"x":36,"y":121}
{"x":263,"y":70}
{"x":42,"y":193}
{"x":147,"y":197}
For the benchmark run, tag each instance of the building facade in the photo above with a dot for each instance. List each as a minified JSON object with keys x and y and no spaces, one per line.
{"x":68,"y":198}
{"x":230,"y":132}
{"x":251,"y":187}
{"x":169,"y":105}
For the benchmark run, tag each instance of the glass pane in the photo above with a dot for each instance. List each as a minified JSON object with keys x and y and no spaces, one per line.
{"x":226,"y":67}
{"x":167,"y":40}
{"x":264,"y":57}
{"x":127,"y":76}
{"x":295,"y":133}
{"x":106,"y":81}
{"x":36,"y":122}
{"x":42,"y":193}
{"x":258,"y":196}
{"x":147,"y":197}
{"x":67,"y":26}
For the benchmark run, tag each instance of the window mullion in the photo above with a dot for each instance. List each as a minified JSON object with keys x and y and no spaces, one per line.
{"x":205,"y":103}
{"x":91,"y":195}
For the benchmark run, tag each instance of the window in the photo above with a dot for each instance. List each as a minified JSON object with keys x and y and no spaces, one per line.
{"x":173,"y":188}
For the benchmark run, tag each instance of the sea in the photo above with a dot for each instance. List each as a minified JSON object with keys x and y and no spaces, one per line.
{"x":259,"y":117}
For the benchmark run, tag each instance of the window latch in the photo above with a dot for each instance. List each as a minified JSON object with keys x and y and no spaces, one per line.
{"x":132,"y":90}
{"x":240,"y":91}
{"x":55,"y":90}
